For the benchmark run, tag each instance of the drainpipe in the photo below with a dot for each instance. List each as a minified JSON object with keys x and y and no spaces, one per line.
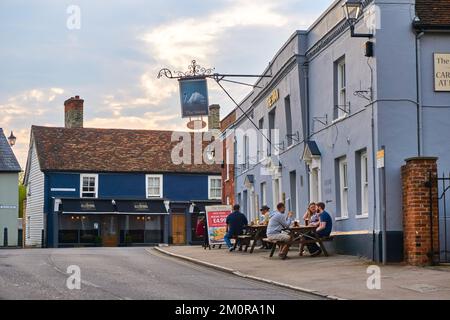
{"x":419,"y":95}
{"x":307,"y":122}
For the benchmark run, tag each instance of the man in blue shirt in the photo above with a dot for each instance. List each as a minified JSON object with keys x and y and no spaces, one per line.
{"x":236,"y":223}
{"x":323,"y":230}
{"x":277,"y":223}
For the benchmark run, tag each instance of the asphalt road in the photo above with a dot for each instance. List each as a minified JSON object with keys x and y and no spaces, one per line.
{"x":123,"y":273}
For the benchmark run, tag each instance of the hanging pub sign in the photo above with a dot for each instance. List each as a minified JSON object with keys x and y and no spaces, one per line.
{"x":193,"y":97}
{"x":442,"y":72}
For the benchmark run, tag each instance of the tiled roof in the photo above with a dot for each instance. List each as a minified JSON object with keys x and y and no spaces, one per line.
{"x":8,"y":162}
{"x":110,"y":150}
{"x":433,"y":13}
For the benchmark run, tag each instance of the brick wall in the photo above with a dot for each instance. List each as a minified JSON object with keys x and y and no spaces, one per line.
{"x":228,"y":184}
{"x":417,"y":223}
{"x":214,"y":117}
{"x":73,"y":112}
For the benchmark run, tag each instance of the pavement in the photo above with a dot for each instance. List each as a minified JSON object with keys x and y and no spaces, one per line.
{"x":124,"y":274}
{"x":336,"y":276}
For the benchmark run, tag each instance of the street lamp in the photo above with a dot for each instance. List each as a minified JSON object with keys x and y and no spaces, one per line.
{"x":353,"y":10}
{"x":12,"y":139}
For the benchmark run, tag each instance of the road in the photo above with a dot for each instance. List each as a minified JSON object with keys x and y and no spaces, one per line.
{"x":123,"y":273}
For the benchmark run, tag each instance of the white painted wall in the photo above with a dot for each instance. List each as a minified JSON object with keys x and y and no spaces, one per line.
{"x":35,"y":202}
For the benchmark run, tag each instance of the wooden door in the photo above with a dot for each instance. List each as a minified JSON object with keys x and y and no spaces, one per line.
{"x":110,"y":231}
{"x":178,"y":229}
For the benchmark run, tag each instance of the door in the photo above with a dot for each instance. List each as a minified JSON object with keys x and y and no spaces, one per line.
{"x":178,"y":229}
{"x":110,"y":231}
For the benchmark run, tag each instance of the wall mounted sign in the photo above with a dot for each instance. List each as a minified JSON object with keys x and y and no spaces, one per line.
{"x":193,"y":97}
{"x":4,"y":206}
{"x":273,"y":98}
{"x":442,"y":72}
{"x":217,"y":223}
{"x":87,"y":206}
{"x":141,"y":206}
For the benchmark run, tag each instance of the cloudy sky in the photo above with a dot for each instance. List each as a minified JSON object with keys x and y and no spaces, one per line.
{"x":112,"y":60}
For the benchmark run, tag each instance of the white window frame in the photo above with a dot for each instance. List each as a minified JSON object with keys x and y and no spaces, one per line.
{"x":246,"y":153}
{"x":343,"y":187}
{"x":342,"y":89}
{"x":161,"y":184}
{"x":364,"y":176}
{"x":315,"y":166}
{"x":276,"y":192}
{"x":209,"y":187}
{"x":90,"y":175}
{"x":263,"y":187}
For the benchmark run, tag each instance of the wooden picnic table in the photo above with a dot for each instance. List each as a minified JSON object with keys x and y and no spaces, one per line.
{"x":254,"y":232}
{"x":303,"y":235}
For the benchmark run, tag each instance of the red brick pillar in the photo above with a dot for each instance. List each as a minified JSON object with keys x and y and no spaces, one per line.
{"x":418,"y":239}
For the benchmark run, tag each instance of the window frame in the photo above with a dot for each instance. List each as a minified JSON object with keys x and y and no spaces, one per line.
{"x":263,"y":187}
{"x":341,"y":88}
{"x":343,"y":187}
{"x":210,"y":178}
{"x":88,"y":175}
{"x":364,"y":183}
{"x":161,"y":184}
{"x":276,"y":190}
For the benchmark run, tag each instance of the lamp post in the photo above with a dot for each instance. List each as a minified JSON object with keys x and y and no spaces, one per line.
{"x":12,"y":139}
{"x":353,"y":10}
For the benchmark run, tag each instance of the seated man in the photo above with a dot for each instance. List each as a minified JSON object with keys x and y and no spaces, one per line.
{"x":236,"y":223}
{"x":277,"y":223}
{"x":323,"y":229}
{"x":265,"y":215}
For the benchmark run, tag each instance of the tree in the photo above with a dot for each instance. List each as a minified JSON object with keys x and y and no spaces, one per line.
{"x":22,"y":194}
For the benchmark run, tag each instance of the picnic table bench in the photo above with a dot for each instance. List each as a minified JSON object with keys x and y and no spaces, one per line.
{"x":302,"y":236}
{"x":253,"y":234}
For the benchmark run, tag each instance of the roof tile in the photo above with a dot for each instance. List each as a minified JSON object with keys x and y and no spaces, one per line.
{"x":110,"y":150}
{"x":433,"y":12}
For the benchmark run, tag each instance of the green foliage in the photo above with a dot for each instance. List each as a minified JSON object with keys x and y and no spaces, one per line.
{"x":22,"y":197}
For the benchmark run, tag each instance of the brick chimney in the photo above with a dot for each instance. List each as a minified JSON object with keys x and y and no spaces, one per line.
{"x":214,"y":117}
{"x":73,"y":112}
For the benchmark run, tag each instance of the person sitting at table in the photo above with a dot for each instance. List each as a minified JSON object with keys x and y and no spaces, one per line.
{"x":277,"y":223}
{"x":311,"y":214}
{"x":311,"y":219}
{"x":323,"y":229}
{"x":265,"y":213}
{"x":236,"y":223}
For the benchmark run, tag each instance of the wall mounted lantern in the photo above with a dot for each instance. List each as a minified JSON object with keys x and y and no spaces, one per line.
{"x":353,"y":9}
{"x":12,"y":139}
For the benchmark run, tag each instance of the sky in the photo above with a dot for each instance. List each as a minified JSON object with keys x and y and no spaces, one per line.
{"x":111,"y":56}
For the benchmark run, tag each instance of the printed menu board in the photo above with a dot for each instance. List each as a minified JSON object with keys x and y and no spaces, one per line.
{"x":217,"y":223}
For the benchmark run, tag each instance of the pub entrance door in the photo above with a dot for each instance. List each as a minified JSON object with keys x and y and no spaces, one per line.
{"x":178,"y":228}
{"x":110,"y":231}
